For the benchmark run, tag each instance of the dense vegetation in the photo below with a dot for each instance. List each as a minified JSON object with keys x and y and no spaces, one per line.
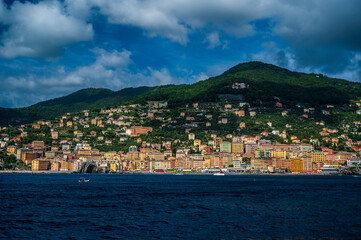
{"x":266,"y":85}
{"x":75,"y":102}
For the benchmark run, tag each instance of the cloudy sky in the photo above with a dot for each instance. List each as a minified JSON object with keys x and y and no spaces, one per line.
{"x":52,"y":48}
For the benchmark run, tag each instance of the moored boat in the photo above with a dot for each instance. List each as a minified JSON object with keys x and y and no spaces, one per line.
{"x":218,"y":174}
{"x":83,"y":180}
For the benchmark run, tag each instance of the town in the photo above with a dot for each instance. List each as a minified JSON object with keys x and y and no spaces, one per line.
{"x":228,"y":136}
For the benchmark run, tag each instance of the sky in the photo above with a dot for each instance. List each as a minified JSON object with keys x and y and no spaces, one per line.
{"x":52,"y":48}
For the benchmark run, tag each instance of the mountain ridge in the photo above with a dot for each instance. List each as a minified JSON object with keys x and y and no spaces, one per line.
{"x":265,"y":83}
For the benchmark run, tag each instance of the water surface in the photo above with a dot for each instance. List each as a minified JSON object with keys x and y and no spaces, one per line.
{"x":56,"y":206}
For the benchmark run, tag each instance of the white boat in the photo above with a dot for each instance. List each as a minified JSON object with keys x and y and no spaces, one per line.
{"x":83,"y":180}
{"x":218,"y":174}
{"x":178,"y":174}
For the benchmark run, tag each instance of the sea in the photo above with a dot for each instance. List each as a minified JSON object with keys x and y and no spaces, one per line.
{"x":126,"y":206}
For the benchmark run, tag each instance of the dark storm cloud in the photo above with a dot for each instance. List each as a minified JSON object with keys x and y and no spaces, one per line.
{"x":330,"y":60}
{"x":321,"y":23}
{"x":305,"y":25}
{"x":282,"y":59}
{"x":320,"y":36}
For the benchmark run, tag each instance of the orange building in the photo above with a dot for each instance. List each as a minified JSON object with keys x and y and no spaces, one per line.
{"x":28,"y":157}
{"x":137,"y":131}
{"x":11,"y":149}
{"x":296,"y":165}
{"x":38,"y":144}
{"x":40,"y":165}
{"x":283,"y":163}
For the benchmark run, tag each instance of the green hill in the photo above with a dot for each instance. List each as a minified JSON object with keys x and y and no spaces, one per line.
{"x":83,"y":99}
{"x":265,"y":85}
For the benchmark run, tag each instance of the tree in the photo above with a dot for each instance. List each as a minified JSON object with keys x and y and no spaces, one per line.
{"x":246,"y":160}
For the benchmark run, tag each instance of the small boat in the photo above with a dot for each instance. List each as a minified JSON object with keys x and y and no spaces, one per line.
{"x":83,"y":180}
{"x":219,"y":174}
{"x":178,"y":174}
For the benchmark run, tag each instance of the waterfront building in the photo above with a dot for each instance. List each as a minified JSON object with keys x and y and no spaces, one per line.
{"x":40,"y":165}
{"x":207,"y":161}
{"x":55,"y":166}
{"x":296,"y":165}
{"x":353,"y":162}
{"x":28,"y":157}
{"x":261,"y":163}
{"x":307,"y":164}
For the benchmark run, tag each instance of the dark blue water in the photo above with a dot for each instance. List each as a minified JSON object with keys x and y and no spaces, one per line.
{"x":56,"y":206}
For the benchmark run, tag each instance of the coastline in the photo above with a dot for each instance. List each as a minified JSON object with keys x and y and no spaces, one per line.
{"x":166,"y":173}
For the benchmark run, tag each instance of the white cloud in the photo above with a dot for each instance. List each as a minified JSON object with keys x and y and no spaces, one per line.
{"x":213,"y":40}
{"x":54,"y":24}
{"x":160,"y":77}
{"x":40,"y":30}
{"x":176,"y":19}
{"x":109,"y":70}
{"x":199,"y":77}
{"x":317,"y":33}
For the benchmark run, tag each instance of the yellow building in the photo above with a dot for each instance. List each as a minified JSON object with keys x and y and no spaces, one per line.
{"x":318,"y":156}
{"x":35,"y":165}
{"x":197,"y":142}
{"x":206,"y":163}
{"x":218,"y":141}
{"x":40,"y":165}
{"x":132,"y":155}
{"x":278,"y":154}
{"x":11,"y":149}
{"x":237,"y":147}
{"x":110,"y":155}
{"x":252,"y":113}
{"x":142,"y":156}
{"x":113,"y":167}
